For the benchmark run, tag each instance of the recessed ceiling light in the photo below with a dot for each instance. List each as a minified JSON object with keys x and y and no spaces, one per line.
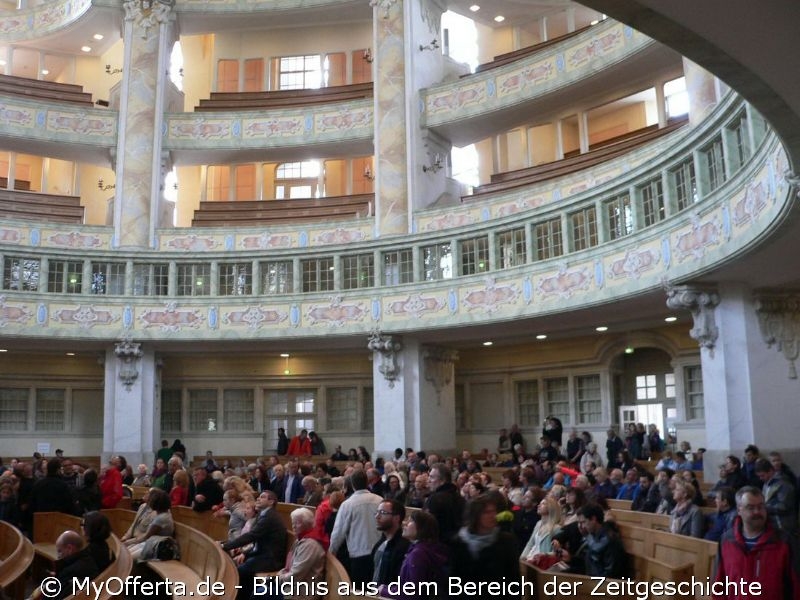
{"x":601,"y":329}
{"x":45,"y":72}
{"x":629,"y":350}
{"x":3,"y":350}
{"x":70,"y":354}
{"x":671,"y":319}
{"x":86,"y":48}
{"x":98,"y":36}
{"x":284,"y":355}
{"x":488,"y":343}
{"x":541,"y":336}
{"x":595,"y":22}
{"x":499,"y":18}
{"x":474,"y":8}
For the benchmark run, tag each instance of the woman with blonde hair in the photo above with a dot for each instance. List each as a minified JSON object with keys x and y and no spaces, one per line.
{"x":540,"y":541}
{"x":179,"y":494}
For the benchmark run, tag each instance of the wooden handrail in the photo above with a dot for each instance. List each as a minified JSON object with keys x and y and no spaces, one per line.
{"x":514,"y":55}
{"x":16,"y":556}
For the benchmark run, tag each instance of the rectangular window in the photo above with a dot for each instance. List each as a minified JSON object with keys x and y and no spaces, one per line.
{"x":587,"y":394}
{"x":292,"y":409}
{"x":150,"y":279}
{"x":669,"y":385}
{"x":437,"y":262}
{"x":511,"y":248}
{"x":358,"y":271}
{"x":714,"y":163}
{"x":228,"y":75}
{"x":684,"y":183}
{"x":461,"y":407}
{"x":620,"y":217}
{"x":695,"y":407}
{"x":14,"y":409}
{"x":474,"y":255}
{"x":317,"y":274}
{"x":652,"y":194}
{"x":646,"y":387}
{"x":584,"y":228}
{"x":239,"y":407}
{"x":108,"y":278}
{"x":556,"y":398}
{"x":398,"y":267}
{"x":21,"y":274}
{"x":738,"y":141}
{"x":548,"y":239}
{"x":254,"y":75}
{"x":235,"y":279}
{"x":368,"y":414}
{"x":194,"y":279}
{"x":528,"y":403}
{"x":300,"y":72}
{"x":171,"y":410}
{"x":277,"y":277}
{"x":64,"y":276}
{"x":342,"y":408}
{"x":50,"y":409}
{"x":203,"y":410}
{"x":245,"y":183}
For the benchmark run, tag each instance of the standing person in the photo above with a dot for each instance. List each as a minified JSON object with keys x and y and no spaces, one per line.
{"x":779,"y":497}
{"x":575,"y":447}
{"x":283,"y":442}
{"x":753,"y":550}
{"x":268,"y":538}
{"x":208,"y":492}
{"x":355,"y":525}
{"x":317,"y":445}
{"x":179,"y":449}
{"x":517,"y":442}
{"x":445,"y":502}
{"x":481,"y":551}
{"x":553,"y":430}
{"x":51,"y":493}
{"x":614,"y":445}
{"x":165,"y":452}
{"x":389,"y":552}
{"x":300,"y":444}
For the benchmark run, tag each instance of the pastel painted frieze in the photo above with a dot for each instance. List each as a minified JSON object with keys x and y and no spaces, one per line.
{"x":13,"y":313}
{"x":73,"y":239}
{"x":336,"y":313}
{"x":171,"y":318}
{"x":633,"y":264}
{"x":265,"y":241}
{"x":415,"y":306}
{"x":85,"y":317}
{"x":192,"y":243}
{"x":253,"y":317}
{"x":492,"y":297}
{"x":751,"y":204}
{"x":565,"y":283}
{"x":701,"y":235}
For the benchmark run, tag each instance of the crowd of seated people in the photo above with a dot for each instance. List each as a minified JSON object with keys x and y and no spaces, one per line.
{"x":548,"y":507}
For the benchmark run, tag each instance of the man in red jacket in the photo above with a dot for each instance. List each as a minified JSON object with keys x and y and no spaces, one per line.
{"x":110,"y":485}
{"x":754,"y":552}
{"x":300,"y":445}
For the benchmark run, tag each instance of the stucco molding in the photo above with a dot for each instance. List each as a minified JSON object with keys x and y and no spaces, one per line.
{"x":701,"y":302}
{"x":779,"y":321}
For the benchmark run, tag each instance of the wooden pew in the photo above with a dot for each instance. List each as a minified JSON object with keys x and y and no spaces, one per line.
{"x":672,"y":549}
{"x":36,"y":206}
{"x":204,"y":522}
{"x":569,"y":585}
{"x":222,"y":214}
{"x":118,"y":570}
{"x":284,"y":98}
{"x":19,"y":184}
{"x":202,"y":559}
{"x":334,"y":575}
{"x":649,"y":520}
{"x":619,"y":504}
{"x":16,"y":556}
{"x":515,"y":55}
{"x":44,"y":90}
{"x":567,"y":166}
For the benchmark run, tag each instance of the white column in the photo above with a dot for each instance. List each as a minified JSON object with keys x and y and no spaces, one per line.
{"x":702,"y":90}
{"x":583,"y":131}
{"x":414,"y":396}
{"x":661,"y":105}
{"x":130,"y":416}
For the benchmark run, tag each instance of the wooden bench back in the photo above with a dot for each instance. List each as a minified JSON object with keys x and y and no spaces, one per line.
{"x":120,"y":568}
{"x":204,"y":522}
{"x":335,"y":574}
{"x":16,"y":556}
{"x":47,"y":526}
{"x":120,"y":519}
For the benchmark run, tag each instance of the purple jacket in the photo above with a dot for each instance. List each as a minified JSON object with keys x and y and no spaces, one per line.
{"x":424,"y":562}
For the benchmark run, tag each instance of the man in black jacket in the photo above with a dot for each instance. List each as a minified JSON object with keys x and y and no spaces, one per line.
{"x":268,"y":536}
{"x":389,"y":552}
{"x":444,"y":503}
{"x":51,"y":493}
{"x":74,"y":563}
{"x":209,"y":492}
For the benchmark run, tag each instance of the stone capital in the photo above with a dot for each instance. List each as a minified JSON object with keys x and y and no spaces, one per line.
{"x":779,"y":320}
{"x":387,"y":347}
{"x":701,"y":302}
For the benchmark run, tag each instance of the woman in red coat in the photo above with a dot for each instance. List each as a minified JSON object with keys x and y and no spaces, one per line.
{"x":110,"y":486}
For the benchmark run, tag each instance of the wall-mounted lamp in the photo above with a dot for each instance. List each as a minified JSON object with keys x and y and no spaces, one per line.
{"x":368,"y":55}
{"x":101,"y":185}
{"x":113,"y":71}
{"x":368,"y":174}
{"x":286,"y":370}
{"x":437,"y":164}
{"x":434,"y":45}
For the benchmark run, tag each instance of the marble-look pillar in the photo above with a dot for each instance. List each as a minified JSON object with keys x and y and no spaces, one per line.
{"x":748,"y":391}
{"x":408,"y":57}
{"x":147,"y":36}
{"x":414,"y":396}
{"x":702,"y":89}
{"x":131,"y":384}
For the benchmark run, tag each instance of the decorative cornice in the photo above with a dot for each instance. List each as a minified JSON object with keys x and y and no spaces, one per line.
{"x":779,"y":320}
{"x":148,"y":13}
{"x":388,"y":347}
{"x":128,"y":352}
{"x":701,"y":302}
{"x":384,"y":5}
{"x":439,"y":367}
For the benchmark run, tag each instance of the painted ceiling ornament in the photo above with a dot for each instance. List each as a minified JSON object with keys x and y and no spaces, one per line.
{"x":701,"y":302}
{"x":147,"y":13}
{"x":383,"y":5}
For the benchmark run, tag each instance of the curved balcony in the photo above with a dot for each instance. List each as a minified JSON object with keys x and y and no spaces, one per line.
{"x":724,"y":222}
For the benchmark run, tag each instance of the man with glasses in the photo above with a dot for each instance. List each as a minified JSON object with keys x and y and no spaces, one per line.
{"x":355,"y":525}
{"x":754,"y":551}
{"x":389,"y":552}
